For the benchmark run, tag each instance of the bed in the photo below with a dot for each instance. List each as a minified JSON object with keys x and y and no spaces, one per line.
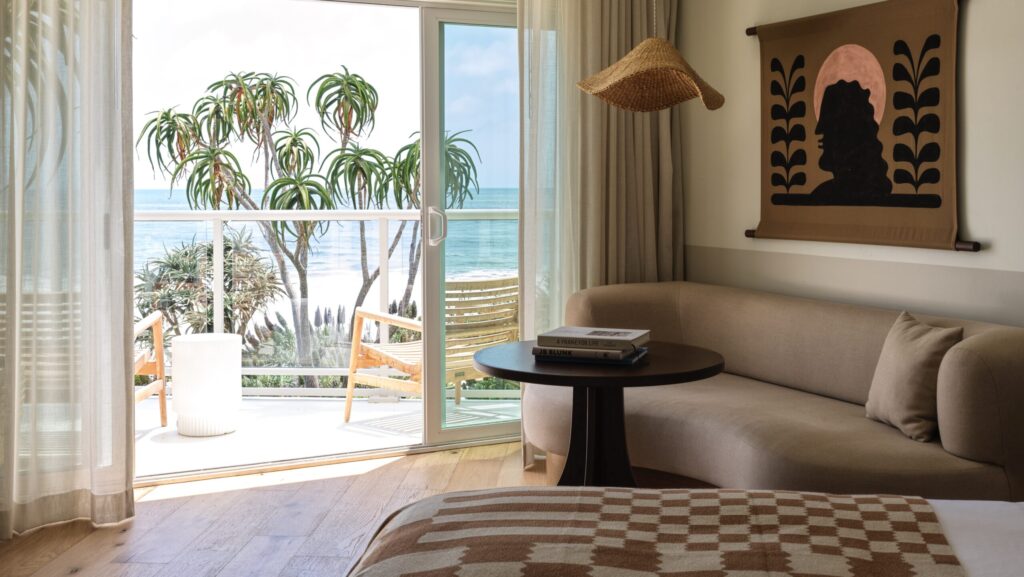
{"x":568,"y":531}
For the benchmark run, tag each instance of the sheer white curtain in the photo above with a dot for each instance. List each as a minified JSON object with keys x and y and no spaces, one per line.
{"x":65,"y":411}
{"x":550,"y":37}
{"x":602,"y":187}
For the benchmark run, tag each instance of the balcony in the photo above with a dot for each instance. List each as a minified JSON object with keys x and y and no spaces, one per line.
{"x":293,"y":403}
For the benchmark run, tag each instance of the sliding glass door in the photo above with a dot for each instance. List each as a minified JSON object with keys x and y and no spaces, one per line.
{"x":471,"y":204}
{"x":385,"y":186}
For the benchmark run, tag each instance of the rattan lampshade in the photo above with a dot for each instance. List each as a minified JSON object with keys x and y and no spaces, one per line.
{"x":653,"y":76}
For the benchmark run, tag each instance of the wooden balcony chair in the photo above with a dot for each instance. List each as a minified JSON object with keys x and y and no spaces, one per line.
{"x":150,"y":361}
{"x":48,"y":325}
{"x":49,"y":321}
{"x":478,"y":314}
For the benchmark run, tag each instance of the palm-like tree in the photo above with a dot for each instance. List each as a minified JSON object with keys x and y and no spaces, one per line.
{"x":215,"y":178}
{"x":460,"y":184}
{"x":302,"y":190}
{"x":359,"y":176}
{"x":460,"y":173}
{"x":170,"y":137}
{"x":213,"y":117}
{"x":258,"y":108}
{"x":346,"y":104}
{"x":296,"y":150}
{"x":247,"y":106}
{"x":360,"y":179}
{"x":258,"y":102}
{"x":406,"y":174}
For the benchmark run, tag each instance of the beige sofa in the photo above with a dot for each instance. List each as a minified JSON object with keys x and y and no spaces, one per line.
{"x":788,"y":413}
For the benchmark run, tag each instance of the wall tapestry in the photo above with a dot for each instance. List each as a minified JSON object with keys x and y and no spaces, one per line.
{"x":858,"y":125}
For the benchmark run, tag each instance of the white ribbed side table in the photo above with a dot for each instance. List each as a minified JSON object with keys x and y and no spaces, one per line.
{"x":206,"y":381}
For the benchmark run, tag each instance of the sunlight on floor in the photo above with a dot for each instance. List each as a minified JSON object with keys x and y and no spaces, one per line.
{"x":266,"y":480}
{"x":279,"y":429}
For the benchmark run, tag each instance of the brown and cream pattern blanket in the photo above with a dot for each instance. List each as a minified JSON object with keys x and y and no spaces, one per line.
{"x":577,"y":532}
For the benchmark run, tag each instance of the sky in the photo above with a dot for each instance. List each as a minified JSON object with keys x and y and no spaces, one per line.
{"x":182,"y":46}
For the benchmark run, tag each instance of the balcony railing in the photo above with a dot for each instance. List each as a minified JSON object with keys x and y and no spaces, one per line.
{"x":383,"y":219}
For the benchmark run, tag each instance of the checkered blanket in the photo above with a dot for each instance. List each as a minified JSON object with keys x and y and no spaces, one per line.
{"x":576,"y":532}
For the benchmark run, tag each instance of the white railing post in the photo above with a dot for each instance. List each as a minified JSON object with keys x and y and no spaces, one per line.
{"x":218,"y":276}
{"x":383,"y":263}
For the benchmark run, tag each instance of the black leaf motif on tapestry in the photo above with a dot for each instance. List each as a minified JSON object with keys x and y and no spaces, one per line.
{"x":789,"y":129}
{"x":915,"y":122}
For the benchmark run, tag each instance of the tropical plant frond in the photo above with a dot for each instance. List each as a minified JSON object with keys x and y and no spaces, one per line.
{"x":170,"y":137}
{"x":296,"y":150}
{"x":358,"y":177}
{"x":258,"y":101}
{"x":303,"y":191}
{"x":405,"y":174}
{"x":346,"y":104}
{"x":460,"y":172}
{"x":215,"y":178}
{"x":214,"y":119}
{"x":274,"y":97}
{"x":180,"y":284}
{"x":234,"y":90}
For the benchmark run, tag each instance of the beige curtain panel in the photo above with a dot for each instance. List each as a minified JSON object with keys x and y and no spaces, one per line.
{"x":630,"y":184}
{"x":66,"y":430}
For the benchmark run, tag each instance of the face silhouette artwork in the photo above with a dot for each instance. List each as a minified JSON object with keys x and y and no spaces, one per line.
{"x":850,"y":149}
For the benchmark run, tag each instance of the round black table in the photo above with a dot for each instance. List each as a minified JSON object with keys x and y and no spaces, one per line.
{"x":597,"y":441}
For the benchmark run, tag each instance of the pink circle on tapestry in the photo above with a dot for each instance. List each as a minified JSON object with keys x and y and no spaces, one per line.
{"x":852,"y":63}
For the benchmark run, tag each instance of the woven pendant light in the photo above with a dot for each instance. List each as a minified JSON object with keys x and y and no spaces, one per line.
{"x":653,"y":76}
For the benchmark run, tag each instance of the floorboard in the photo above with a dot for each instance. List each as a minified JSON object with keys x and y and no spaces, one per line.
{"x":302,"y":523}
{"x":25,"y":556}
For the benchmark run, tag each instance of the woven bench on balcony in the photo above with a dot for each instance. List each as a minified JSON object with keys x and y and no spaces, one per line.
{"x":478,"y":314}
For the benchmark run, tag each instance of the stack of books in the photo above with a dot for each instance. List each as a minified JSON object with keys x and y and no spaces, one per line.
{"x":592,"y":345}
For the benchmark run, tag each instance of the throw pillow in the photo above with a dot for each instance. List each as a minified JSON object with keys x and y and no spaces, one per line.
{"x":903,"y":390}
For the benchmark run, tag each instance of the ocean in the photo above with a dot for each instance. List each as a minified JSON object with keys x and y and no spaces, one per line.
{"x":473,"y":249}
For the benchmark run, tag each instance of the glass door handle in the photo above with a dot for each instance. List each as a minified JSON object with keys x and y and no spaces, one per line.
{"x":436,"y":233}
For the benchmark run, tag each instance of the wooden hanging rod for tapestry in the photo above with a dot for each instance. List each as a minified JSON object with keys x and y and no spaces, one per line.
{"x":960,"y":245}
{"x":753,"y":31}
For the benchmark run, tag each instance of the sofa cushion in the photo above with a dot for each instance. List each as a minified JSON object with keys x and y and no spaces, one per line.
{"x":738,"y":432}
{"x":903,"y":390}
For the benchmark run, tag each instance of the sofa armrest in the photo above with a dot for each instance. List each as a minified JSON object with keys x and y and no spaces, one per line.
{"x":981,"y":402}
{"x":652,"y":306}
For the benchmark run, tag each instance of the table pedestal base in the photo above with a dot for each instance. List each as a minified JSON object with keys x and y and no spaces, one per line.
{"x":597,"y":444}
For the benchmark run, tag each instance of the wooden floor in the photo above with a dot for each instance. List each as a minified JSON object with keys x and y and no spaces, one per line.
{"x":300,"y":523}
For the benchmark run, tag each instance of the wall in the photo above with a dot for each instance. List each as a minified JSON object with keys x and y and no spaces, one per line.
{"x":721,"y":175}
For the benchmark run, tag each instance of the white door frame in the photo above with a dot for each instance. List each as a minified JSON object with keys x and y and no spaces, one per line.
{"x":431,"y":20}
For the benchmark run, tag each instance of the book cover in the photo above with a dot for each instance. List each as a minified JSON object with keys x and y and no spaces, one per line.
{"x":613,"y":354}
{"x":625,"y":362}
{"x":594,"y":338}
